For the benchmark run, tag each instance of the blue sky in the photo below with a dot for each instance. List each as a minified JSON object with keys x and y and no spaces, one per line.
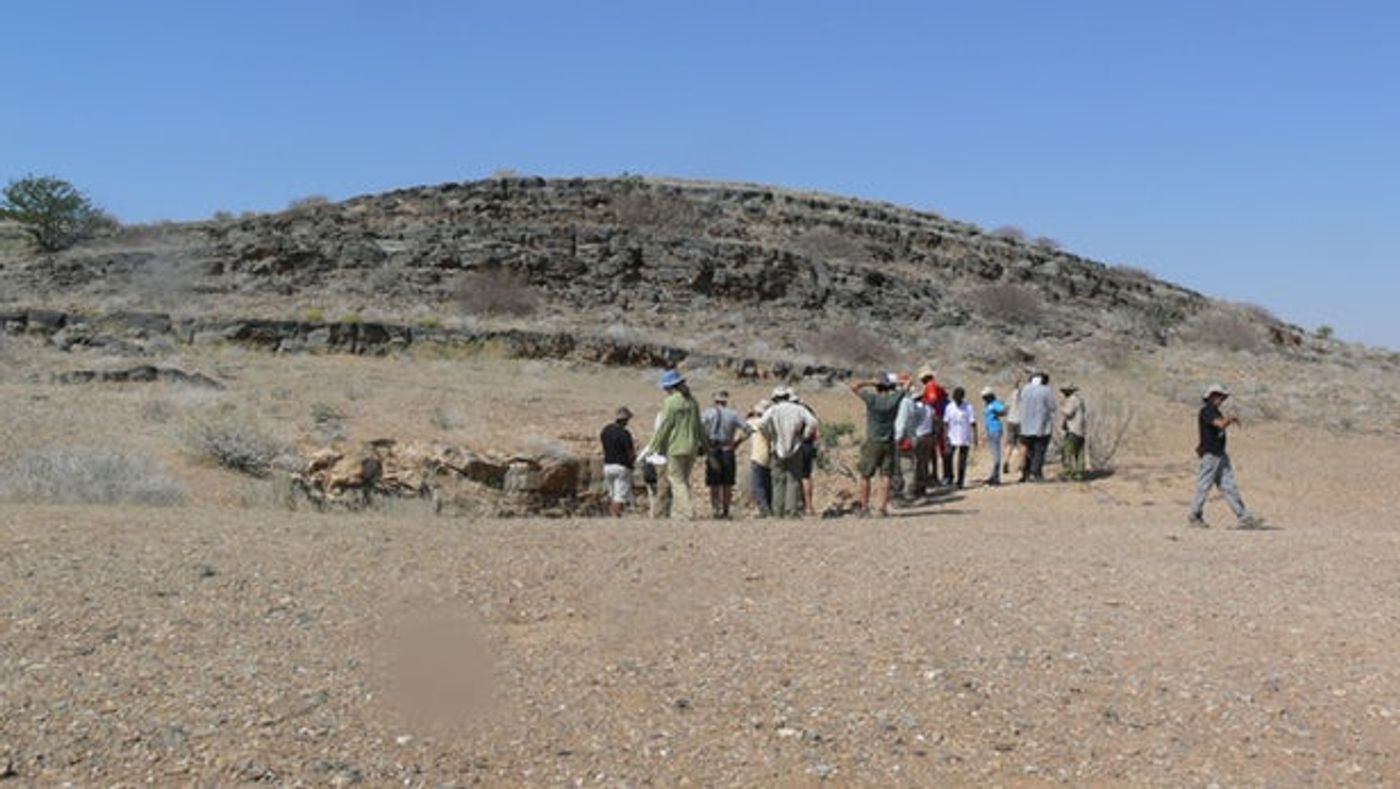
{"x":1245,"y":149}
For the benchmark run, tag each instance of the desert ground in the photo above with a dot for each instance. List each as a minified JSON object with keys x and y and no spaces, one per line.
{"x":1064,"y":632}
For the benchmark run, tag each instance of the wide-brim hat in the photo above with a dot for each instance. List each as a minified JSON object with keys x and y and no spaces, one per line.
{"x":722,"y":396}
{"x":781,"y":392}
{"x":924,"y":373}
{"x":671,"y":379}
{"x":987,"y":392}
{"x":1215,"y":389}
{"x":624,"y":413}
{"x":1069,"y":388}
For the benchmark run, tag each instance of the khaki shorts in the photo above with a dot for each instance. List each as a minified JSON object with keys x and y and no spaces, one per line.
{"x":881,"y":456}
{"x":618,"y":480}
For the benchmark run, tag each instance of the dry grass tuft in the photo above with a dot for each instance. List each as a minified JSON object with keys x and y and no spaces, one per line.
{"x":88,"y":476}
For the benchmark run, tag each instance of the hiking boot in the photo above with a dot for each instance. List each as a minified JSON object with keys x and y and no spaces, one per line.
{"x":1197,"y":522}
{"x":1250,"y":522}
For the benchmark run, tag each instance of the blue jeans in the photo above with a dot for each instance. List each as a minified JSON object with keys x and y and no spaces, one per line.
{"x":761,"y":482}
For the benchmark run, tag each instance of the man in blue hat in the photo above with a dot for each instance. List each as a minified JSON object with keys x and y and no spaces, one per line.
{"x":680,"y":438}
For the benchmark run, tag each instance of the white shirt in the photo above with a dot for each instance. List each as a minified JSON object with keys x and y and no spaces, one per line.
{"x":960,"y":420}
{"x":786,"y":424}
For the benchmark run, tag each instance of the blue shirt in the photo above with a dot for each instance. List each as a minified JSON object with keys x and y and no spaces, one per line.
{"x":992,"y":417}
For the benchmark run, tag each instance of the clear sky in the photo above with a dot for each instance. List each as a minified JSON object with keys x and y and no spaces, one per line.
{"x":1247,"y":149}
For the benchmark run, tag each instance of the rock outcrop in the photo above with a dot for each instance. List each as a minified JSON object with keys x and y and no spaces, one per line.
{"x":453,"y":479}
{"x":602,"y":253}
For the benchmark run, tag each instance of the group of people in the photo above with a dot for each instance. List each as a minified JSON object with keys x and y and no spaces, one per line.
{"x":915,"y":429}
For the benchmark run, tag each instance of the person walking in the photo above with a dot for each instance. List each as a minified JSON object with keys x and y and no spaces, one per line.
{"x":619,"y":457}
{"x":878,"y":453}
{"x":1074,"y":421}
{"x":786,"y":425}
{"x":962,"y":435}
{"x":1215,"y":469}
{"x":725,"y":430}
{"x":760,"y":460}
{"x":681,"y":438}
{"x":992,"y":412}
{"x":1038,"y":409}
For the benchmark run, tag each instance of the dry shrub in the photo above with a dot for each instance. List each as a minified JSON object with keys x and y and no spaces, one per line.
{"x":1157,"y":319}
{"x":88,"y":476}
{"x":1047,"y":243}
{"x":854,"y":346}
{"x":1258,"y":312}
{"x":1008,"y":303}
{"x":1011,"y":233}
{"x":639,"y":207}
{"x":1111,"y":353}
{"x":1132,"y":272}
{"x":496,"y":292}
{"x":1107,"y":426}
{"x":226,"y":437}
{"x":1226,"y":329}
{"x":310,"y":201}
{"x":828,"y":243}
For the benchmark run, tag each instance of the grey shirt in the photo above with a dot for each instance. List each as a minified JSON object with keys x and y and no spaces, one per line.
{"x":722,"y":425}
{"x":1038,"y":410}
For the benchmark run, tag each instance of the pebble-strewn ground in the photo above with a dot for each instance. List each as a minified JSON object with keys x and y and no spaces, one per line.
{"x":1055,"y":632}
{"x":1060,"y":632}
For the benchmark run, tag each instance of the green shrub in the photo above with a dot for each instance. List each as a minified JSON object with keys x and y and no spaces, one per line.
{"x":833,"y":432}
{"x":55,"y":213}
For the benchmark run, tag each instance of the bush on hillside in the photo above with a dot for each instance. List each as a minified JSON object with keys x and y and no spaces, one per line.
{"x":496,"y":292}
{"x":1011,"y":233}
{"x":54,"y":212}
{"x":827,"y":243}
{"x":310,"y":201}
{"x":1008,"y":303}
{"x":640,"y":207}
{"x":87,"y":476}
{"x":1227,"y":329}
{"x":855,"y":346}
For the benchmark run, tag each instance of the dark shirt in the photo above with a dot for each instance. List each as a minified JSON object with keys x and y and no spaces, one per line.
{"x":617,"y":445}
{"x":881,"y":410}
{"x":1212,"y":437}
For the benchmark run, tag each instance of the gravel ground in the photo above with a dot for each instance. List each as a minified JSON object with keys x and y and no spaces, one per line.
{"x":1031,"y":633}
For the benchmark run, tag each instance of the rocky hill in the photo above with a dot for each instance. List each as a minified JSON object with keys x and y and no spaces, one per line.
{"x":735,"y":270}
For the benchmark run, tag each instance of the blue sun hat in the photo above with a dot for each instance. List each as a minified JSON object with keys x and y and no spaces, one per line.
{"x":671,"y":379}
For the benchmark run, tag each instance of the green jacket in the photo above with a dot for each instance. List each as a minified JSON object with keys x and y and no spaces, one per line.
{"x":680,"y":432}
